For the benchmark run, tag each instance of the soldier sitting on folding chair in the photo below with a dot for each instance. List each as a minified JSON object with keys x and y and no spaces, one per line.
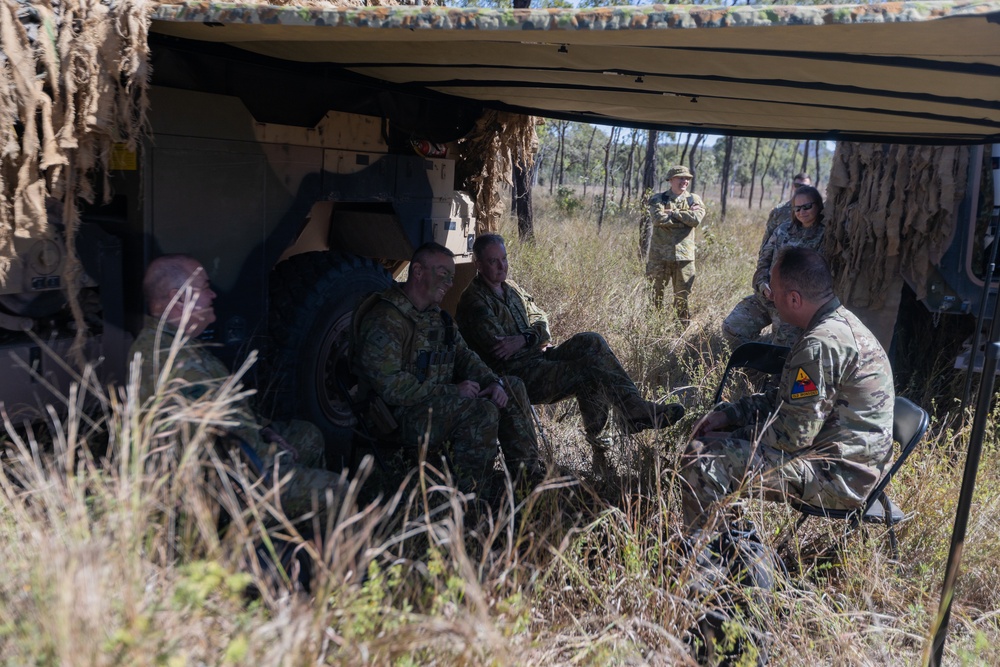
{"x":824,"y":435}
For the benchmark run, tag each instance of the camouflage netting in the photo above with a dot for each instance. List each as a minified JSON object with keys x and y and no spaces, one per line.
{"x":73,"y":83}
{"x":486,"y":159}
{"x":885,"y":201}
{"x":73,"y":79}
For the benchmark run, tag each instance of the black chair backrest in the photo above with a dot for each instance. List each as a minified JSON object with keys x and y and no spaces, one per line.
{"x":909,"y":422}
{"x":762,"y":357}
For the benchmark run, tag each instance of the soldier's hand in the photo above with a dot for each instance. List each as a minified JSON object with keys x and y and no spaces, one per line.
{"x":468,"y":389}
{"x":713,"y":421}
{"x":507,"y":346}
{"x":495,"y":393}
{"x":271,"y":436}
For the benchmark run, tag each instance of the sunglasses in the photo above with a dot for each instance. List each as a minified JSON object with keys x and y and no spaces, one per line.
{"x":797,"y":184}
{"x":803,"y":207}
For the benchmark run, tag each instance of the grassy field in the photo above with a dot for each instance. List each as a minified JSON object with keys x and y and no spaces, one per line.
{"x":119,"y":562}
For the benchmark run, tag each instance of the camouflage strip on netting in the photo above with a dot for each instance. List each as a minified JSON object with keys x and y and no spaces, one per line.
{"x":73,"y":78}
{"x":642,"y":17}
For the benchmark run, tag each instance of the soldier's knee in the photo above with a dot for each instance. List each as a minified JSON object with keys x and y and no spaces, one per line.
{"x":515,"y":388}
{"x":488,"y":411}
{"x":592,"y":341}
{"x":694,"y":450}
{"x":732,"y":333}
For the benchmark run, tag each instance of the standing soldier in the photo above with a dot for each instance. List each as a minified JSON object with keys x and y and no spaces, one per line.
{"x":675,"y":214}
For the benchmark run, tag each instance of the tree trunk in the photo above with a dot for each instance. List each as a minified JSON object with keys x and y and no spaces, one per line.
{"x":726,"y":162}
{"x":805,"y":157}
{"x":816,"y":152}
{"x":648,"y":182}
{"x":616,"y":134}
{"x":522,"y":200}
{"x":687,"y":142}
{"x":607,"y":170}
{"x":555,"y":161}
{"x":627,"y":178}
{"x":767,"y":167}
{"x":694,"y":152}
{"x":753,"y":173}
{"x":562,"y":150}
{"x":586,"y":161}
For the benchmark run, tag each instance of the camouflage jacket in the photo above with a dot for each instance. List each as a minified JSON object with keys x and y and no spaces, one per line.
{"x":435,"y":365}
{"x":483,"y":315}
{"x":790,"y":233}
{"x":673,"y":226}
{"x":834,"y":401}
{"x":193,"y":372}
{"x":779,"y":215}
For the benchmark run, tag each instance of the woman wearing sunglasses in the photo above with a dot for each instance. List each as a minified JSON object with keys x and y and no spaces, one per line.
{"x":754,"y":313}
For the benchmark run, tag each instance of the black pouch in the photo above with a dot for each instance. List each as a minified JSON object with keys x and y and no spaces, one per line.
{"x":381,"y":417}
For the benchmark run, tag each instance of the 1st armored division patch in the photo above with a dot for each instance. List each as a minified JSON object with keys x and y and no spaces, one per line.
{"x":803,"y":387}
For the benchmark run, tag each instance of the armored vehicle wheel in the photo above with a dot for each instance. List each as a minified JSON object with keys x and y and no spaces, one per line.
{"x":312,"y":300}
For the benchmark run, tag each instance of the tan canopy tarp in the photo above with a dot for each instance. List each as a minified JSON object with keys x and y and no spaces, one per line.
{"x":907,"y":72}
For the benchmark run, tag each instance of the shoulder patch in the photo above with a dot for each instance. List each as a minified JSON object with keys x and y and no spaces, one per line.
{"x":803,"y":387}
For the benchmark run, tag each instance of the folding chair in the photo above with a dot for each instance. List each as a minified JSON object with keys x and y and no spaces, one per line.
{"x":762,"y":357}
{"x":909,"y":423}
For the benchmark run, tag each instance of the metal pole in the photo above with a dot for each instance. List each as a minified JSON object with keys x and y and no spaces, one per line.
{"x":968,"y":487}
{"x":971,"y":369}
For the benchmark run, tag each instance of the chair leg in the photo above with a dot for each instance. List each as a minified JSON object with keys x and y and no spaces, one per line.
{"x":887,"y":515}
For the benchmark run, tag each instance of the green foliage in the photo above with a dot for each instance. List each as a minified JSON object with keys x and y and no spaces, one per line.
{"x":568,"y":201}
{"x":593,"y":570}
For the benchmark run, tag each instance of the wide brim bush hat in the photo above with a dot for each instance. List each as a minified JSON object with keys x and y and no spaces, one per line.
{"x":679,"y":170}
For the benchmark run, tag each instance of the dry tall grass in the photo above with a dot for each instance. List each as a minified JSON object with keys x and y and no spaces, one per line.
{"x":118,"y":559}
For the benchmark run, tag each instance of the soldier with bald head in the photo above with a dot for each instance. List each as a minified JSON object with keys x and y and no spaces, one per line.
{"x":179,"y":299}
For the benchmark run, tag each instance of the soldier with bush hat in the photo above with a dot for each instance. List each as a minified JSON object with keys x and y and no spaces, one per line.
{"x":675,"y":214}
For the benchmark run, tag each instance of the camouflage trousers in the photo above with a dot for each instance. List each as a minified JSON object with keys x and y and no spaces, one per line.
{"x":299,"y":470}
{"x":681,"y":275}
{"x":750,"y":316}
{"x":465,"y":431}
{"x":583,"y":367}
{"x":714,"y":468}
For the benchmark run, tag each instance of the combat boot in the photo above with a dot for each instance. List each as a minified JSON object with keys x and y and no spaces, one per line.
{"x":653,"y":415}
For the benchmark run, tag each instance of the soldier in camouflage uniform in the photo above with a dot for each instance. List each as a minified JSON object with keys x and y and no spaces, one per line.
{"x":674,"y":214}
{"x":510,"y":332}
{"x":292,"y":448}
{"x":749,"y":317}
{"x":824,"y":435}
{"x":412,"y":356}
{"x":782,"y":213}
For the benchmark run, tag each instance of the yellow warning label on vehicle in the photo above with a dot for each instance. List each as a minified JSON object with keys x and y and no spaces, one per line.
{"x":122,"y":159}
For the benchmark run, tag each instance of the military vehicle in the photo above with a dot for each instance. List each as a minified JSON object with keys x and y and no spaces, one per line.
{"x":301,"y":153}
{"x":298,"y":191}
